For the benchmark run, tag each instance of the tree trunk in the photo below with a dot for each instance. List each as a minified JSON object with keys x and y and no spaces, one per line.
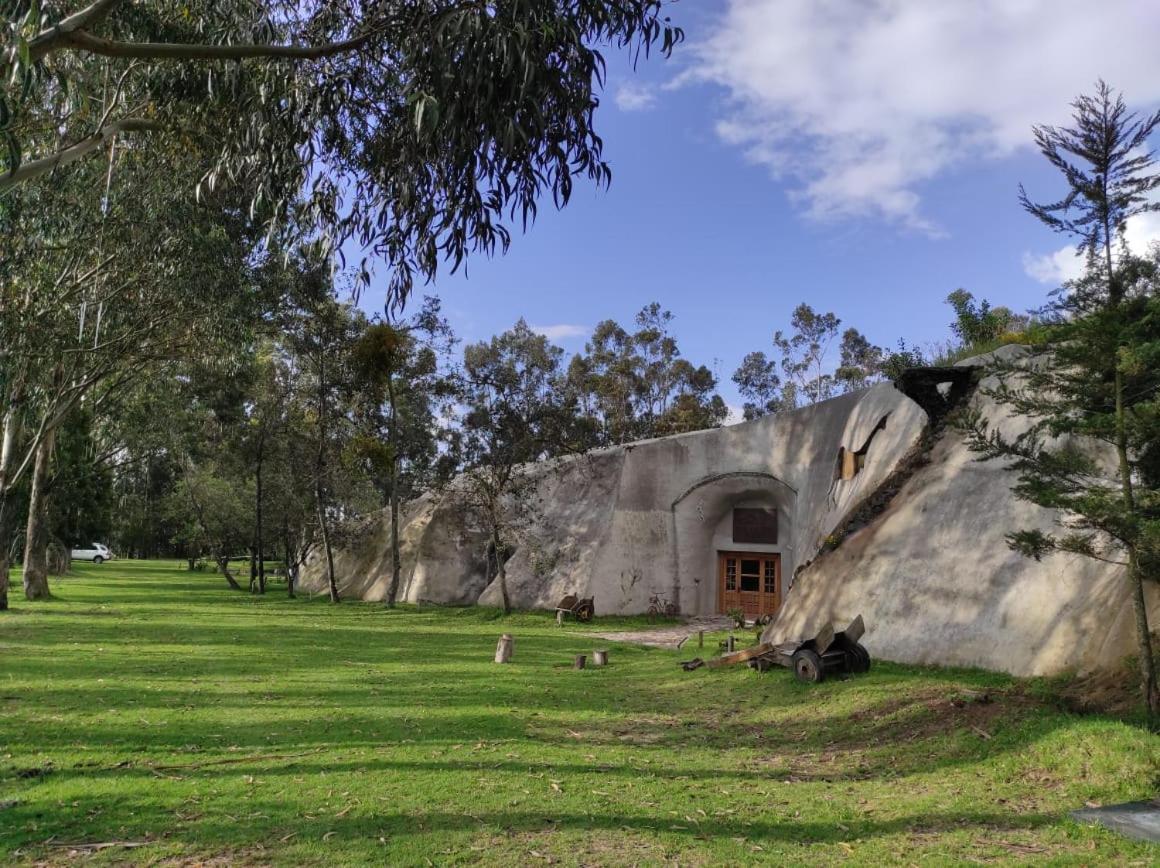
{"x":501,"y":569}
{"x":319,"y":468}
{"x":223,"y":565}
{"x":7,"y":513}
{"x":291,"y":562}
{"x":6,"y":526}
{"x":396,"y":555}
{"x":36,"y":534}
{"x":324,"y":530}
{"x":258,"y":516}
{"x":1148,"y":688}
{"x":396,"y":559}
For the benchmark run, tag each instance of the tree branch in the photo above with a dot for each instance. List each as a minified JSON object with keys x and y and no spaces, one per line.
{"x":82,"y":40}
{"x":56,"y":36}
{"x":44,"y":165}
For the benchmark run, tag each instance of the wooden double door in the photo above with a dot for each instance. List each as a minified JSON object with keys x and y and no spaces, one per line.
{"x":750,"y":582}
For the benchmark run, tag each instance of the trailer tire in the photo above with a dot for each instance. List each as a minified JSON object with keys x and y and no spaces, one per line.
{"x":863,"y":655}
{"x":807,"y":666}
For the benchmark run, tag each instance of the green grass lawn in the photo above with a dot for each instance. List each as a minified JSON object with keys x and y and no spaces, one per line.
{"x":150,"y":709}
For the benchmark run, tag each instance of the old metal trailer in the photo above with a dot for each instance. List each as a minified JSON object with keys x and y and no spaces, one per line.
{"x":811,"y":660}
{"x":828,"y":653}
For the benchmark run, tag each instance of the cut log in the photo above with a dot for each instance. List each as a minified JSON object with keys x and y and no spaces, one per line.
{"x":690,"y":665}
{"x":503,"y":651}
{"x":741,"y":656}
{"x":600,"y":658}
{"x":580,"y":660}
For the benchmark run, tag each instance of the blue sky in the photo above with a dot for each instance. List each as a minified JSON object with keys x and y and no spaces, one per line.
{"x":862,"y":157}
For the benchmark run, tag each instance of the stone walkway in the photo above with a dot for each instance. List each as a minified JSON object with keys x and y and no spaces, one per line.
{"x":670,"y":634}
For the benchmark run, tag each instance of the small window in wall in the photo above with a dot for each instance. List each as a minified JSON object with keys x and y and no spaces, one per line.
{"x":731,"y":574}
{"x":851,"y":463}
{"x":755,"y":525}
{"x":771,"y":577}
{"x":750,"y":575}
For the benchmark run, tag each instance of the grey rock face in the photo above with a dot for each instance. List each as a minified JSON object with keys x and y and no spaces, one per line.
{"x":625,"y":523}
{"x":936,"y":582}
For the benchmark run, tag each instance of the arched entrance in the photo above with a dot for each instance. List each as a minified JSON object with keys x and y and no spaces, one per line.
{"x":742,"y":516}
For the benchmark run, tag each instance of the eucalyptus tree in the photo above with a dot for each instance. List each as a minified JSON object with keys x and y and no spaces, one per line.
{"x":859,"y":361}
{"x":632,"y":386}
{"x":759,"y":385}
{"x":1101,"y":378}
{"x":81,"y":314}
{"x":514,"y":414}
{"x":805,"y":351}
{"x":400,"y":387}
{"x":418,"y":129}
{"x":321,"y":335}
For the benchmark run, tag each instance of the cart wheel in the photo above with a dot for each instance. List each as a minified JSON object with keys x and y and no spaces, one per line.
{"x":857,"y":658}
{"x":584,"y":612}
{"x":807,"y":666}
{"x":863,"y":655}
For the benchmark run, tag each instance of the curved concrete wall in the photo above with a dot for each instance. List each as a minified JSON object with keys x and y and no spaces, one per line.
{"x":936,"y":582}
{"x":625,"y":523}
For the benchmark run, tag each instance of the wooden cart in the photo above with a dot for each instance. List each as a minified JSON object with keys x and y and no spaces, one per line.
{"x":828,"y":653}
{"x":811,"y":660}
{"x":580,"y":609}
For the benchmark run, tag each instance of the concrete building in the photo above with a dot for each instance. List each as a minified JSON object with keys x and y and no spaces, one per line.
{"x":731,"y":518}
{"x":671,"y":517}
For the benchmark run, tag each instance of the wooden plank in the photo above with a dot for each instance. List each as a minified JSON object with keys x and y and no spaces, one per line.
{"x":741,"y":656}
{"x":824,"y":639}
{"x":856,"y":629}
{"x":849,"y":465}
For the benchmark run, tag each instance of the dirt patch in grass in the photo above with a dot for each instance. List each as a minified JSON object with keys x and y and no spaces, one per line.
{"x":934,"y":712}
{"x":602,"y":847}
{"x":1114,"y":692}
{"x":669,"y":635}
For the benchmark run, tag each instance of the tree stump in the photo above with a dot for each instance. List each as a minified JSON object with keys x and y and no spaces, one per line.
{"x":700,"y":638}
{"x":580,"y":660}
{"x":559,"y":617}
{"x":599,"y":658}
{"x":730,"y":644}
{"x":503,"y":651}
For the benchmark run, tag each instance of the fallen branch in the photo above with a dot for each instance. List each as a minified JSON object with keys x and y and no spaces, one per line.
{"x":102,"y":845}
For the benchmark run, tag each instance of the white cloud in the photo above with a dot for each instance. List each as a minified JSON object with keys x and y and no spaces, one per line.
{"x":632,"y":96}
{"x":1141,"y":233}
{"x":862,"y":103}
{"x":1054,"y":268}
{"x":561,"y":331}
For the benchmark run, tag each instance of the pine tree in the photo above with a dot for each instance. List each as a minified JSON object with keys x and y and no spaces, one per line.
{"x":1100,"y":376}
